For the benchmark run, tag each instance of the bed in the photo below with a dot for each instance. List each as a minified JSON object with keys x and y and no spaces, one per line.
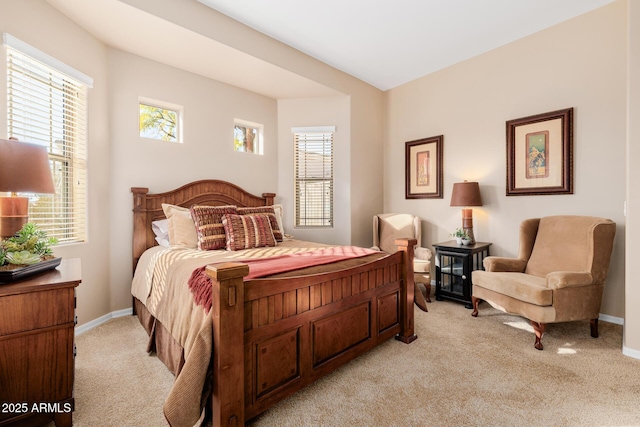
{"x":264,"y":338}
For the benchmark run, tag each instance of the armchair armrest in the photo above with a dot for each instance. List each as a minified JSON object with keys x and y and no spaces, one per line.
{"x":566,"y":279}
{"x":423,"y":253}
{"x":503,"y":264}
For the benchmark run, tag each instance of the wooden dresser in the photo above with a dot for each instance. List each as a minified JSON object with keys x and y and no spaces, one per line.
{"x":37,"y":321}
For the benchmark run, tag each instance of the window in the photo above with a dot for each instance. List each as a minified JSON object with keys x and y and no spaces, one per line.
{"x":247,"y":137}
{"x":46,"y":104}
{"x":313,"y":157}
{"x":159,"y":120}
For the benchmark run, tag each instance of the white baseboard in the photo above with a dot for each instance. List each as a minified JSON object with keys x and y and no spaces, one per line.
{"x":611,"y":319}
{"x":620,"y":321}
{"x":100,"y":320}
{"x":631,"y":352}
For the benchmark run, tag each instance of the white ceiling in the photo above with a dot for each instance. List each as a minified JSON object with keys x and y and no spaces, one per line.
{"x":384,"y":43}
{"x":390,"y":42}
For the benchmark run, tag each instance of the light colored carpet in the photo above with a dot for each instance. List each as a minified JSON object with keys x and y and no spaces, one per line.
{"x":462,"y":371}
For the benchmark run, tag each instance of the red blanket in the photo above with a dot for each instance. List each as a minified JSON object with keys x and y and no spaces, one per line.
{"x":200,"y":283}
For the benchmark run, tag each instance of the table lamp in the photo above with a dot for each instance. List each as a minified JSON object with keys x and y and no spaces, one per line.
{"x":466,"y":194}
{"x":24,"y":168}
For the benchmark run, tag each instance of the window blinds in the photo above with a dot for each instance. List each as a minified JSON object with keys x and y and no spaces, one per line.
{"x":46,"y":106}
{"x":313,"y":179}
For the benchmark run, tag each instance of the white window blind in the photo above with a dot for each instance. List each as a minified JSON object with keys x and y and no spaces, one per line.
{"x":46,"y":106}
{"x":313,"y":177}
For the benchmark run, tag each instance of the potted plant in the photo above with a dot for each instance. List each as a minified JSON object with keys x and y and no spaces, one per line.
{"x":24,"y":251}
{"x":461,"y":236}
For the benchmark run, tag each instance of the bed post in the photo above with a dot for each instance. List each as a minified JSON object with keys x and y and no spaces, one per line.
{"x":228,"y":343}
{"x":268,"y":198}
{"x":406,"y":335}
{"x":139,"y":223}
{"x":139,"y":233}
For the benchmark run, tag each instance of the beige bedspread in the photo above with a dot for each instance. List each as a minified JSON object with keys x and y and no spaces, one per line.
{"x":160,"y":282}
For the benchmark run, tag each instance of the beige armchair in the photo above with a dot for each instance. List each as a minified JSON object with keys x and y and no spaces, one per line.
{"x":389,"y":227}
{"x":558,"y":276}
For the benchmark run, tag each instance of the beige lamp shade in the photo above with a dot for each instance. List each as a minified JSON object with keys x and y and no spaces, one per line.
{"x":24,"y":168}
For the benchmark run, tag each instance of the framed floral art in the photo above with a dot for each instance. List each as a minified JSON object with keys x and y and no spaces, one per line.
{"x":540,"y":154}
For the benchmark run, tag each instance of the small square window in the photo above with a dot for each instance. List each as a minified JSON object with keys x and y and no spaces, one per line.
{"x":160,"y":121}
{"x":247,"y":137}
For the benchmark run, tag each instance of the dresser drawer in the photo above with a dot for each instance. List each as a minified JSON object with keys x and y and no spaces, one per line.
{"x":36,"y":310}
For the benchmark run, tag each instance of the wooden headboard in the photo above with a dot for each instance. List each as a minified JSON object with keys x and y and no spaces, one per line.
{"x":148,"y":207}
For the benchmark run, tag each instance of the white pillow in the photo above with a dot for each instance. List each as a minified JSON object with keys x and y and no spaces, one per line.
{"x":182,"y":229}
{"x":161,"y":229}
{"x":277,"y":209}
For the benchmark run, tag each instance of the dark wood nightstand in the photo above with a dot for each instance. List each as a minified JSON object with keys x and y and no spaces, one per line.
{"x":37,"y":350}
{"x":454,"y":264}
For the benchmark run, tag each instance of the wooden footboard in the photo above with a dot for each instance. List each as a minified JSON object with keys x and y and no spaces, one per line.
{"x":299,"y":329}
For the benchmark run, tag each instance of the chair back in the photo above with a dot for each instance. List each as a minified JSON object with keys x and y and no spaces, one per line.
{"x":391,"y":226}
{"x":572,"y":243}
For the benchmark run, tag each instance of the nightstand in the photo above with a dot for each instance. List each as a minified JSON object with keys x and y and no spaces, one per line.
{"x":454,"y":264}
{"x":37,"y":350}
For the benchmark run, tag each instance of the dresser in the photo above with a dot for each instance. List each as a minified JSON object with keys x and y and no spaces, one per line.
{"x":37,"y":350}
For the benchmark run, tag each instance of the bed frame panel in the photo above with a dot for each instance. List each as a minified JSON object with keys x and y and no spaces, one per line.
{"x":272,"y":337}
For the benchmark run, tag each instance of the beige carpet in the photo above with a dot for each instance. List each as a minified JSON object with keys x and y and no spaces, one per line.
{"x":460,"y":372}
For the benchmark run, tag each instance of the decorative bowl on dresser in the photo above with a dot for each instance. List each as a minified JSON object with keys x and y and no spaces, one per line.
{"x":37,"y":349}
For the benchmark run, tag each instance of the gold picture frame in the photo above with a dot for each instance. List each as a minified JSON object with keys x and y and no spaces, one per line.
{"x":423,"y":168}
{"x":540,"y":154}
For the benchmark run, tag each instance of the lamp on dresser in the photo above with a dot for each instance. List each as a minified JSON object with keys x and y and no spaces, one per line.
{"x":24,"y":168}
{"x":467,"y":194}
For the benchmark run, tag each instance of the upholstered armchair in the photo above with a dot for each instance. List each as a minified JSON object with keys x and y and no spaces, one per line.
{"x":389,"y":227}
{"x":559,"y":274}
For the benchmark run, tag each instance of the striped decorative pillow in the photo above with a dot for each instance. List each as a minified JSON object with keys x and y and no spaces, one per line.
{"x":277,"y":234}
{"x":248,"y":231}
{"x":208,"y":220}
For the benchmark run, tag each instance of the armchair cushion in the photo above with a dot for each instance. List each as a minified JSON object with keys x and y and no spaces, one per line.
{"x":523,"y":287}
{"x":392,"y":227}
{"x":421,"y":265}
{"x":561,"y":245}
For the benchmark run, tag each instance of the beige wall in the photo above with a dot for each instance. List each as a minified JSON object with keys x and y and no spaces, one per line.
{"x":36,"y":23}
{"x":581,"y":64}
{"x":632,"y":296}
{"x":367,"y":123}
{"x":210,"y":108}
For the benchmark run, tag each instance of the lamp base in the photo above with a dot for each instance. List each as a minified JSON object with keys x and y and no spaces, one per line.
{"x":469,"y":231}
{"x":467,"y":224}
{"x":13,"y":215}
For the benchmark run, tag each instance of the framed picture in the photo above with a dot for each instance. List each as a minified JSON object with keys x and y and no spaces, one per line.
{"x":423,"y":158}
{"x":540,"y":154}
